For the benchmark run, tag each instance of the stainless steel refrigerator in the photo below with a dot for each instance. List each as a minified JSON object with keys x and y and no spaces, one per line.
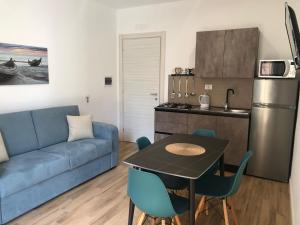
{"x":273,"y":119}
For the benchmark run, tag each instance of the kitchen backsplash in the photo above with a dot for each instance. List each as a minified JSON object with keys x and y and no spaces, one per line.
{"x":241,"y":99}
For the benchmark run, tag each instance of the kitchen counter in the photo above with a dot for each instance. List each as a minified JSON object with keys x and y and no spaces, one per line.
{"x":215,"y":111}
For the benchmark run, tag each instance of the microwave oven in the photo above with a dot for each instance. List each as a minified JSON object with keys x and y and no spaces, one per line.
{"x":277,"y":69}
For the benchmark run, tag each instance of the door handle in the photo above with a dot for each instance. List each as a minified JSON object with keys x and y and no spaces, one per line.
{"x":153,"y":94}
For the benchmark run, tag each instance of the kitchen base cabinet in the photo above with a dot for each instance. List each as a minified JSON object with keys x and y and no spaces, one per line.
{"x":171,"y":122}
{"x":158,"y":136}
{"x":201,"y":121}
{"x":236,"y":131}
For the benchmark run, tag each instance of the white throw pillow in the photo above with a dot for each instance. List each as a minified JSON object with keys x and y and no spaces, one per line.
{"x":3,"y":153}
{"x":80,"y":127}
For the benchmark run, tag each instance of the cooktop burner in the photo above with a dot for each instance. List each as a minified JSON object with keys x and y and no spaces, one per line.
{"x":172,"y":105}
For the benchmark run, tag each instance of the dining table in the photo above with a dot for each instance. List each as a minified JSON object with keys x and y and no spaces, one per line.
{"x":167,"y":157}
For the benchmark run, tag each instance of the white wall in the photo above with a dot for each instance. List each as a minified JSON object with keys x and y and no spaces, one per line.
{"x":81,"y":39}
{"x":181,"y":21}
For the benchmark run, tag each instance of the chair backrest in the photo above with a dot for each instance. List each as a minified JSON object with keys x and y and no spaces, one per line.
{"x":238,"y":176}
{"x":143,"y":142}
{"x":149,"y":194}
{"x":205,"y":132}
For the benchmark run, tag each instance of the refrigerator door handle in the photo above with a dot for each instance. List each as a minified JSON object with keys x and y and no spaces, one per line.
{"x":273,"y":105}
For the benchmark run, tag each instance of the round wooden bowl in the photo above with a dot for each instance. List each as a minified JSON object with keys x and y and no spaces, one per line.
{"x":185,"y":149}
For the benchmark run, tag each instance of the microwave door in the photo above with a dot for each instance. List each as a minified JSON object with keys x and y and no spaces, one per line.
{"x":273,"y":68}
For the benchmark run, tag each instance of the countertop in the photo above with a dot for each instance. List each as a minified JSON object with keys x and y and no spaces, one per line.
{"x":214,"y":111}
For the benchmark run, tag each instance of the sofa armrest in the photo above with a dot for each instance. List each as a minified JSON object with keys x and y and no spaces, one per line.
{"x":108,"y":132}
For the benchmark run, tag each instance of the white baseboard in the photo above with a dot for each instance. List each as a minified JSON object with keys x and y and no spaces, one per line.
{"x":292,"y":202}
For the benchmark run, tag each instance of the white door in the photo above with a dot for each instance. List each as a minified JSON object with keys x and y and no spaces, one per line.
{"x":141,"y":70}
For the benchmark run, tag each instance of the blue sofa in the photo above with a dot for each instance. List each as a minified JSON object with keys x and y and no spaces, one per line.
{"x":43,"y":164}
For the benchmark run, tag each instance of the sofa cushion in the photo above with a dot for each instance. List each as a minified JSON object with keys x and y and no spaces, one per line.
{"x":18,"y":132}
{"x":80,"y":127}
{"x":24,"y":170}
{"x":51,"y":124}
{"x":3,"y":152}
{"x":82,"y":151}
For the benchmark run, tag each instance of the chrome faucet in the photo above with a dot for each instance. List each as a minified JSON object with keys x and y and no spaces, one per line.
{"x":226,"y":105}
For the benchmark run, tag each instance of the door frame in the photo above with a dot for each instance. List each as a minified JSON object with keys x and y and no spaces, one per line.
{"x":162,"y":36}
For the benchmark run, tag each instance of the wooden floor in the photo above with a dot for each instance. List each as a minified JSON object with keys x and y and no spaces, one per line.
{"x":103,"y":201}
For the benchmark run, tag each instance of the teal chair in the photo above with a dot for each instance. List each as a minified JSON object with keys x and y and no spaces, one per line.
{"x":171,"y":182}
{"x":143,"y":142}
{"x":149,"y":194}
{"x":208,"y":133}
{"x":205,"y":132}
{"x":221,"y":188}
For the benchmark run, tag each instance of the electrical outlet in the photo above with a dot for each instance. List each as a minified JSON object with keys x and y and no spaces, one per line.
{"x":208,"y":87}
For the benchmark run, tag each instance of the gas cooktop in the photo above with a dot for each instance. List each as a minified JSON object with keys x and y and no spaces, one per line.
{"x":171,"y":105}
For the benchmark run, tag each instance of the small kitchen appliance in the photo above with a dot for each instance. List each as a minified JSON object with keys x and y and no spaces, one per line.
{"x":204,"y":101}
{"x":277,"y":69}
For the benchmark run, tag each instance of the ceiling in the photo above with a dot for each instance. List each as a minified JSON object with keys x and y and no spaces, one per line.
{"x":121,"y":4}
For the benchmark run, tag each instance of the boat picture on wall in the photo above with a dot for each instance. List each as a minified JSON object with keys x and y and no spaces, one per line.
{"x":21,"y":65}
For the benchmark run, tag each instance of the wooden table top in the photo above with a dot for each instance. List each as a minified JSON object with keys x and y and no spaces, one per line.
{"x":156,"y":158}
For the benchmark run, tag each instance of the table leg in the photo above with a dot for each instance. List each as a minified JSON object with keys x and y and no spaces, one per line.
{"x":222,"y":166}
{"x":192,"y":202}
{"x":131,"y":212}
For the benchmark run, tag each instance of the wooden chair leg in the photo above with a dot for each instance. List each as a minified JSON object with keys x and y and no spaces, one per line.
{"x":231,"y":208}
{"x":206,"y":208}
{"x":153,"y":222}
{"x":200,"y":207}
{"x":177,"y":220}
{"x":141,"y":219}
{"x":225,"y":212}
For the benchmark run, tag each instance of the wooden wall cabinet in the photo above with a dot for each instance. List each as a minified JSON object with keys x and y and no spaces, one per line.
{"x":227,"y":54}
{"x":240,"y":54}
{"x":209,"y":54}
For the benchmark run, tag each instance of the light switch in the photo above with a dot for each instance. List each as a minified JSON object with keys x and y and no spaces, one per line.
{"x":108,"y":81}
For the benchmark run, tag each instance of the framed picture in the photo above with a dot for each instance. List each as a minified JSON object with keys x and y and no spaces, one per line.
{"x":21,"y":65}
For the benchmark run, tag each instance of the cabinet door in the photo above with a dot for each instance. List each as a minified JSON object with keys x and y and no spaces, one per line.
{"x":236,"y":131}
{"x":169,"y":122}
{"x":240,"y":54}
{"x":158,"y":136}
{"x":209,"y":54}
{"x":201,"y":121}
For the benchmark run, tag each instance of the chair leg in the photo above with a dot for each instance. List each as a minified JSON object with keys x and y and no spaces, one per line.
{"x":225,"y":212}
{"x":206,"y":208}
{"x":230,"y":206}
{"x":153,"y":222}
{"x":177,"y":220}
{"x":141,"y":219}
{"x":200,"y":207}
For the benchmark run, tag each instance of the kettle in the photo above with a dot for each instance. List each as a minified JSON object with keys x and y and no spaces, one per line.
{"x":204,"y":101}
